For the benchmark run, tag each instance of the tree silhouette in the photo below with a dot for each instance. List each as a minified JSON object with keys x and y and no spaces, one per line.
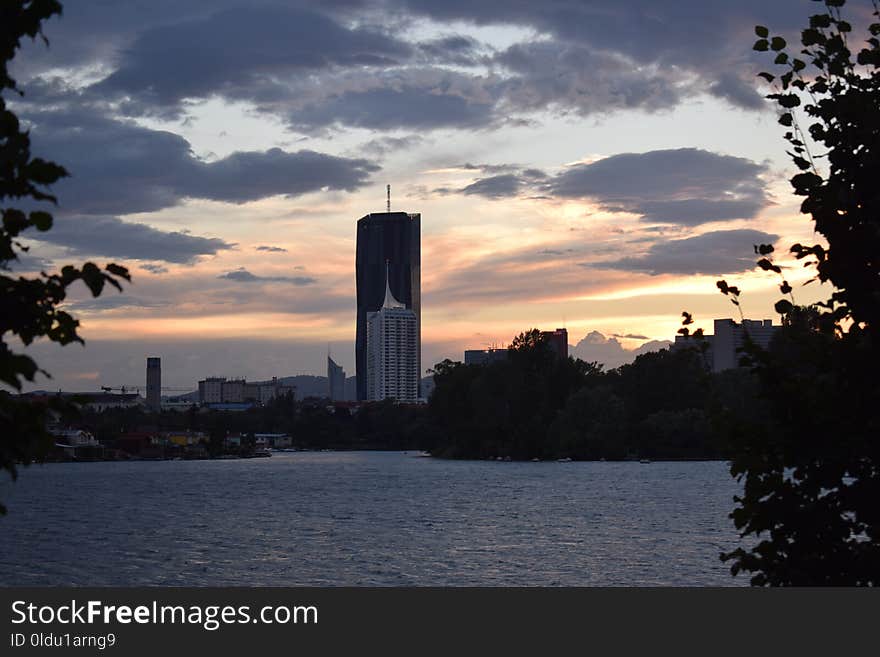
{"x":29,"y":307}
{"x":811,"y":473}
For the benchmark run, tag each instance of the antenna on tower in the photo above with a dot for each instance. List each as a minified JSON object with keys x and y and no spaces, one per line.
{"x":388,"y":201}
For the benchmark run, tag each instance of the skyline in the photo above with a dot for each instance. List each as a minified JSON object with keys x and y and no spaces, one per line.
{"x":579,"y":172}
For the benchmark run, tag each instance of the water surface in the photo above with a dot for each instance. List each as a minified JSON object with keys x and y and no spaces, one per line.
{"x":367,"y":518}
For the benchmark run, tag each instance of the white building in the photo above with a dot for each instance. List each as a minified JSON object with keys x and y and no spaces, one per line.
{"x":730,"y":337}
{"x":722,"y":350}
{"x":219,"y":390}
{"x":392,"y":351}
{"x":74,"y":438}
{"x":211,"y":390}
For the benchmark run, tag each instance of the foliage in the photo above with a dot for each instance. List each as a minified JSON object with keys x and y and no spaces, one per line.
{"x":811,"y":471}
{"x":538,"y":405}
{"x":29,"y":307}
{"x":312,"y":424}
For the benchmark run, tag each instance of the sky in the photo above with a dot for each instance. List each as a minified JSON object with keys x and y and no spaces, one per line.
{"x":576,"y":163}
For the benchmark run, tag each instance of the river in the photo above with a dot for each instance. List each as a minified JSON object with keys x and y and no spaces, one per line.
{"x":368,"y":519}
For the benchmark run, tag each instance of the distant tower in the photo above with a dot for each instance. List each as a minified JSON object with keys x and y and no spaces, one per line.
{"x":392,"y":351}
{"x":335,"y":380}
{"x":154,"y":384}
{"x":388,"y":256}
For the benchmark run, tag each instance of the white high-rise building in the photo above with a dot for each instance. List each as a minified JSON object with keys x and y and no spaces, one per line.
{"x":730,"y":337}
{"x":392,"y":351}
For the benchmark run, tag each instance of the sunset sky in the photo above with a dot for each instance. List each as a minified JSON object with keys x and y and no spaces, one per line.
{"x":590,"y":164}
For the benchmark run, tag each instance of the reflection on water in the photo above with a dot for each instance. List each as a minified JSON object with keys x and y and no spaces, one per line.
{"x":367,"y":518}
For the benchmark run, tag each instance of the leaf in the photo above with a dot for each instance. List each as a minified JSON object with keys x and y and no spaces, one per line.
{"x":767,"y":76}
{"x":764,"y":249}
{"x":812,"y":37}
{"x":783,"y":306}
{"x":43,"y":172}
{"x":118,"y":270}
{"x":803,"y":182}
{"x":762,"y":31}
{"x":789,"y":101}
{"x":761,"y":45}
{"x":820,"y":20}
{"x":781,"y":58}
{"x":786,"y":119}
{"x":93,"y":278}
{"x":766,"y":265}
{"x":42,"y":221}
{"x":777,"y":43}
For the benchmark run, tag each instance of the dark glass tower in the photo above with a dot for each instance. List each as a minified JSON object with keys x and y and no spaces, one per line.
{"x":392,"y":238}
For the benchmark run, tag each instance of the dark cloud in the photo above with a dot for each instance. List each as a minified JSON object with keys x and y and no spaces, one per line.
{"x":505,"y":181}
{"x":562,"y":77}
{"x":487,"y":168}
{"x":242,"y":275}
{"x":630,"y":336}
{"x":25,"y":262}
{"x":122,"y":168}
{"x":737,"y":91}
{"x":384,"y":145}
{"x":271,"y":249}
{"x":242,"y":47}
{"x":112,"y":237}
{"x":687,"y":186}
{"x":387,"y":108}
{"x":154,"y":269}
{"x":113,"y":302}
{"x":715,"y":253}
{"x":588,"y":56}
{"x":454,"y":49}
{"x":684,"y":33}
{"x":502,"y":186}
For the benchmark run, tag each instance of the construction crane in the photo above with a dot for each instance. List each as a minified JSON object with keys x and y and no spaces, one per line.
{"x":162,"y":388}
{"x":121,"y":389}
{"x":137,"y":389}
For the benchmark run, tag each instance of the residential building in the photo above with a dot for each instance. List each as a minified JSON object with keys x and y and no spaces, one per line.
{"x":722,"y":350}
{"x":558,"y":341}
{"x":219,"y":390}
{"x":211,"y":390}
{"x":484,"y":356}
{"x":392,"y":352}
{"x":730,"y":337}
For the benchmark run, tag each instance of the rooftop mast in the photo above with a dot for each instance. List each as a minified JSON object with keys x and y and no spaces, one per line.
{"x":388,"y":201}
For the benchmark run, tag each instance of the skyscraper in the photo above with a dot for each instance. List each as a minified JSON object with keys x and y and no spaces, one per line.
{"x":386,"y":242}
{"x":154,"y":384}
{"x":392,"y":352}
{"x":335,"y":380}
